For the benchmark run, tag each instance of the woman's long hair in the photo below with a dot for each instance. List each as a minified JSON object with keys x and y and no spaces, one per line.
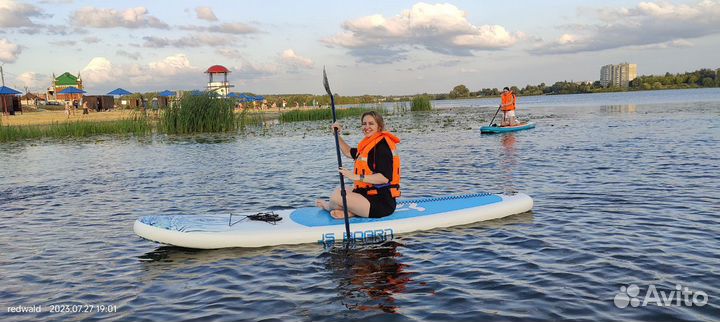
{"x":378,"y":119}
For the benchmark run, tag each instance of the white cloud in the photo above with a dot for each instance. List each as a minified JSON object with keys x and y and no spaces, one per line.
{"x":30,"y":80}
{"x":678,"y":43}
{"x":229,"y":53}
{"x":91,"y":40}
{"x":13,"y":14}
{"x":197,"y":40}
{"x":56,"y":1}
{"x":290,"y":58}
{"x":174,"y":71}
{"x":659,"y":25}
{"x":172,"y":65}
{"x":441,"y":28}
{"x":110,"y":18}
{"x":236,"y":28}
{"x":205,"y":13}
{"x":99,"y":70}
{"x":133,"y":56}
{"x":9,"y":51}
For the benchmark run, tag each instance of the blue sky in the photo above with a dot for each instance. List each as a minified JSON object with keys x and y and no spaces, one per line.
{"x":368,"y":47}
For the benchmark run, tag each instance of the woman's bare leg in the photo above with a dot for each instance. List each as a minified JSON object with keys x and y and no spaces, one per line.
{"x":357,"y":204}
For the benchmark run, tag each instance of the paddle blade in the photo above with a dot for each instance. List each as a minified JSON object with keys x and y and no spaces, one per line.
{"x":325,"y":82}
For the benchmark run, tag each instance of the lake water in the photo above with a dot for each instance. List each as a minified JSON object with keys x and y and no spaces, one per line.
{"x":627,"y":205}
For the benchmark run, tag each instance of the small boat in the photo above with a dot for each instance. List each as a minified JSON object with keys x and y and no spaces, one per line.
{"x":502,"y":129}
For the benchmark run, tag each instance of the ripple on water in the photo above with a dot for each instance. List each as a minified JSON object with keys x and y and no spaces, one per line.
{"x":622,"y":196}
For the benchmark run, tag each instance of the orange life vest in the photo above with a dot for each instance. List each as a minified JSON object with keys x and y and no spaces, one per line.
{"x":508,"y":101}
{"x":363,"y":168}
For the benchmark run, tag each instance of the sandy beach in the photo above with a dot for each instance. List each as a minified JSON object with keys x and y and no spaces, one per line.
{"x":50,"y":117}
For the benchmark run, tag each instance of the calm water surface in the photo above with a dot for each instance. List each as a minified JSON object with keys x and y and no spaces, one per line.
{"x":625,"y":187}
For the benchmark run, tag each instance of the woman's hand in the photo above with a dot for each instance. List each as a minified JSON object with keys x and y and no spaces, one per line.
{"x":349,"y":174}
{"x":336,"y":126}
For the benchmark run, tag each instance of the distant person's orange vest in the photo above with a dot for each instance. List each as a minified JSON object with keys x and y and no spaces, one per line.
{"x":508,"y":101}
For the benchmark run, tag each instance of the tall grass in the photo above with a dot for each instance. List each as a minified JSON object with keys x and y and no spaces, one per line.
{"x":244,"y":119}
{"x":421,"y":103}
{"x":198,"y":114}
{"x":321,"y":114}
{"x":136,"y":124}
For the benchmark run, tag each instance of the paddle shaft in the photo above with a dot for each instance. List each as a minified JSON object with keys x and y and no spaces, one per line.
{"x":496,"y":112}
{"x":343,"y":193}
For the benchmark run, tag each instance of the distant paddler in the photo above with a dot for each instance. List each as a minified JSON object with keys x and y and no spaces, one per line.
{"x":507,"y":105}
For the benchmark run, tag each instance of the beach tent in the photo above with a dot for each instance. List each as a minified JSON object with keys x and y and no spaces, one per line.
{"x":166,"y":93}
{"x":72,"y":90}
{"x":5,"y":91}
{"x":119,"y":92}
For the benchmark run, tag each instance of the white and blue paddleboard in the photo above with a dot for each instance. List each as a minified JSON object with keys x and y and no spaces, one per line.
{"x":314,"y":225}
{"x":504,"y":129}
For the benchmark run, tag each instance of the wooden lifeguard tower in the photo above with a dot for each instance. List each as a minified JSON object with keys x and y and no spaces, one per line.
{"x":218,"y":80}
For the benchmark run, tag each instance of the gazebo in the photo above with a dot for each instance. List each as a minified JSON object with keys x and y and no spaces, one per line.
{"x":9,"y":100}
{"x":218,"y":81}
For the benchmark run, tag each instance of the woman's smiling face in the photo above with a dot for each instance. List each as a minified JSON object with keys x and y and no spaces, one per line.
{"x":369,"y":126}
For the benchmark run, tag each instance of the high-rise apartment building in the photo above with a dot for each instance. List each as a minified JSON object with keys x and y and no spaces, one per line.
{"x":618,"y":75}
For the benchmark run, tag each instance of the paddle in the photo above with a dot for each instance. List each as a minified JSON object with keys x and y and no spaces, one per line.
{"x":493,"y":119}
{"x":339,"y":160}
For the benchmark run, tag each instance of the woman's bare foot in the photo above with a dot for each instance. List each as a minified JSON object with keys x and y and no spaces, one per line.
{"x":340,"y":214}
{"x":322,"y":204}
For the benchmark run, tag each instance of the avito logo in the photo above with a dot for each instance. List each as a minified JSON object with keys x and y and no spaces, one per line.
{"x":680,"y":296}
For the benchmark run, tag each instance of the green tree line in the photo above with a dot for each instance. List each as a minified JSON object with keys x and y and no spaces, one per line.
{"x":696,"y":79}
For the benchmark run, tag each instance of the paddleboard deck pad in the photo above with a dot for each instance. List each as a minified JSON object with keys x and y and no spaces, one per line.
{"x":315,"y":225}
{"x":503,"y":129}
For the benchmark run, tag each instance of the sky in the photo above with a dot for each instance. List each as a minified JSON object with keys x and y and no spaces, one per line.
{"x":367,"y":46}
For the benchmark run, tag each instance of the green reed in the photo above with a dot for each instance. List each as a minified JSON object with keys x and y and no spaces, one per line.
{"x":136,"y":124}
{"x":321,"y":114}
{"x":199,"y":114}
{"x":244,"y":119}
{"x":421,"y":103}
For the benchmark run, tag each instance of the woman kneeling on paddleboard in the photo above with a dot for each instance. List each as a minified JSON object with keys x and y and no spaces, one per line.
{"x":376,"y":172}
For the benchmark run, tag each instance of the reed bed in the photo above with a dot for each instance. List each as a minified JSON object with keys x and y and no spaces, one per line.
{"x":199,"y":114}
{"x":421,"y":103}
{"x":244,"y":119}
{"x":322,"y":114}
{"x":136,"y":124}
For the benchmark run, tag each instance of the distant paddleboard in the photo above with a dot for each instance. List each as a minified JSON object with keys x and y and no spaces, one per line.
{"x":503,"y":129}
{"x":315,"y":225}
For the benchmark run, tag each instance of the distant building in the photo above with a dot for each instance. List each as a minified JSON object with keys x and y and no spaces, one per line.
{"x":62,"y":82}
{"x":218,"y":81}
{"x":618,"y":75}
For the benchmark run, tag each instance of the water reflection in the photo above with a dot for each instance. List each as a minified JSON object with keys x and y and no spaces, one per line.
{"x":623,"y":108}
{"x":369,"y":277}
{"x":508,"y":161}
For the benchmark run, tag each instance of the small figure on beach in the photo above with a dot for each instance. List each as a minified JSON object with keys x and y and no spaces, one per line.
{"x":85,"y":108}
{"x":67,"y":109}
{"x":376,"y":174}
